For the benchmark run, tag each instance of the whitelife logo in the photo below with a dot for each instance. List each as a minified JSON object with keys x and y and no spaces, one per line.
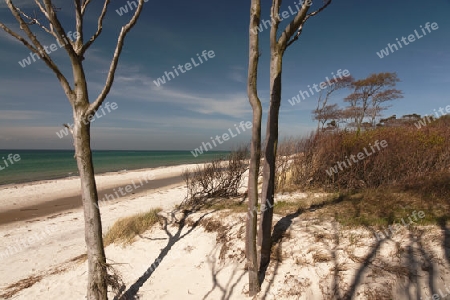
{"x":48,"y":49}
{"x":11,"y":158}
{"x":282,"y":16}
{"x":113,"y":106}
{"x":360,"y":157}
{"x":187,"y":66}
{"x":323,"y":85}
{"x":429,"y":119}
{"x":411,"y":38}
{"x":124,"y":9}
{"x":128,"y":189}
{"x":225,"y":137}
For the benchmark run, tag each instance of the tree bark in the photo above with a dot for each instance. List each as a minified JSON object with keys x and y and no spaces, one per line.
{"x":255,"y":151}
{"x":252,"y":216}
{"x":97,"y":274}
{"x":268,"y":188}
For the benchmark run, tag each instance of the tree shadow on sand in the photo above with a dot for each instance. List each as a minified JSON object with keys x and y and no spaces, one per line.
{"x":132,"y":291}
{"x":226,"y":289}
{"x":416,"y":267}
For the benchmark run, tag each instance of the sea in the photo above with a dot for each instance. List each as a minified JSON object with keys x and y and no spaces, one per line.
{"x":35,"y":165}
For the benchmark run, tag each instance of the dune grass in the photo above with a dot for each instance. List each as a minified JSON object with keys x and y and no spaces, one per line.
{"x":383,"y":207}
{"x":126,"y":229}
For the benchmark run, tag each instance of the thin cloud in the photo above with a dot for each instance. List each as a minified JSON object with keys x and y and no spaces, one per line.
{"x":133,"y":85}
{"x":22,"y":115}
{"x":238,"y":74}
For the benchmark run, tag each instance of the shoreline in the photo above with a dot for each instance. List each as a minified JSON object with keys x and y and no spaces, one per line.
{"x":52,"y":208}
{"x":46,"y":199}
{"x":184,"y":157}
{"x":70,"y":177}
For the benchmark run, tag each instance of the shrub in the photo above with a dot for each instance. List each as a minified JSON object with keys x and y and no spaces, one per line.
{"x":411,"y":154}
{"x":221,"y":177}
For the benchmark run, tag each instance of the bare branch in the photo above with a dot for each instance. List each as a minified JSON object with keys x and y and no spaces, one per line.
{"x":79,"y":24}
{"x":41,"y":8}
{"x":99,"y":28}
{"x":38,"y":48}
{"x":112,"y":69}
{"x":274,"y":14}
{"x":83,"y":7}
{"x":19,"y":38}
{"x":300,"y":26}
{"x":61,"y":33}
{"x":293,"y":26}
{"x":35,"y":20}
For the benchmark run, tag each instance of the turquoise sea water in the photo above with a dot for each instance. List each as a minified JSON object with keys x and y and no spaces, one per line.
{"x":51,"y":164}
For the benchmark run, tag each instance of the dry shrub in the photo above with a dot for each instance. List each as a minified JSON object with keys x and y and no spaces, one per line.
{"x":410,"y":155}
{"x":221,"y":177}
{"x":286,"y":153}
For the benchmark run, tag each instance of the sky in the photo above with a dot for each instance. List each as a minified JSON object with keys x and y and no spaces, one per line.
{"x":211,"y":97}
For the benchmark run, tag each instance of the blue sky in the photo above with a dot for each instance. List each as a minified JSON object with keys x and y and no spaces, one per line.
{"x":211,"y":98}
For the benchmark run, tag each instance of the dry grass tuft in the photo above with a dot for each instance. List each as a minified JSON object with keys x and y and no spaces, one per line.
{"x":211,"y":225}
{"x":31,"y":280}
{"x":79,"y":259}
{"x":321,"y":256}
{"x":126,"y":229}
{"x":16,"y":287}
{"x":378,"y":293}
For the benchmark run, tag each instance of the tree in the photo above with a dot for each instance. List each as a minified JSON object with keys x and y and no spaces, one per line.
{"x":83,"y":110}
{"x":325,"y":111}
{"x":278,"y":46}
{"x":255,"y":150}
{"x":369,"y":94}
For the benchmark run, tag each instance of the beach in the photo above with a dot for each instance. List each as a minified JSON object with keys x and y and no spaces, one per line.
{"x":52,"y":210}
{"x":44,"y":254}
{"x":57,"y":196}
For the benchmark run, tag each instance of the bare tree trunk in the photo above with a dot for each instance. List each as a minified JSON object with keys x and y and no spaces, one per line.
{"x":252,"y":216}
{"x":255,"y":152}
{"x":82,"y":109}
{"x":277,"y":47}
{"x":268,"y":188}
{"x":97,"y":274}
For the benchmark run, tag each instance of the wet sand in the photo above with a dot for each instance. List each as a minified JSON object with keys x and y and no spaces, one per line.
{"x":53,"y":208}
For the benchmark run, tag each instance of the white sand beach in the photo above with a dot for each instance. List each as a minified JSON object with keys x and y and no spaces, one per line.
{"x":314,"y":258}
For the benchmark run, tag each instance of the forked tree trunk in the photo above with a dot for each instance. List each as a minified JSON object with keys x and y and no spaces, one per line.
{"x":277,"y":48}
{"x":268,"y":188}
{"x":97,"y":274}
{"x":255,"y":152}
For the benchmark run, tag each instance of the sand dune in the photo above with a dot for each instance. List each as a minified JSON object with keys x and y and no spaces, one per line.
{"x":313,"y":257}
